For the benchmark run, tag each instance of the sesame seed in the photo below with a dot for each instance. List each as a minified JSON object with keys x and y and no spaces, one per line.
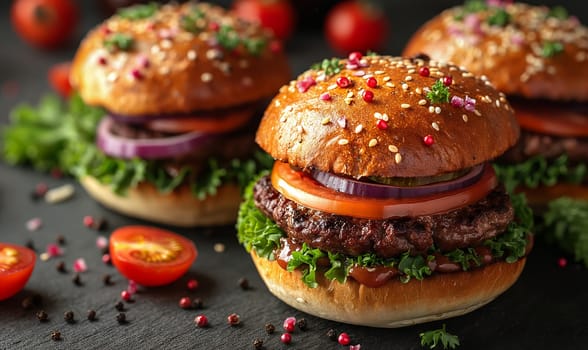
{"x":431,"y":109}
{"x":497,"y":103}
{"x":390,"y":84}
{"x":283,"y":119}
{"x":348,"y":100}
{"x":404,"y":86}
{"x":326,"y":121}
{"x":438,"y":110}
{"x":435,"y":126}
{"x":166,"y":44}
{"x":206,"y":77}
{"x":343,"y":142}
{"x":350,"y":94}
{"x":112,"y":77}
{"x":191,"y":55}
{"x":332,"y":87}
{"x":164,"y":70}
{"x":405,"y":106}
{"x":418,"y":90}
{"x":378,"y":72}
{"x":377,"y":115}
{"x":465,"y":118}
{"x":385,"y":117}
{"x":411,"y":71}
{"x":467,"y":75}
{"x":289,"y":109}
{"x":155,"y":49}
{"x":408,"y":78}
{"x":392,"y":148}
{"x":398,"y":158}
{"x":373,"y":143}
{"x":422,"y":102}
{"x":358,"y":128}
{"x":277,"y":103}
{"x":385,"y":79}
{"x":477,"y":113}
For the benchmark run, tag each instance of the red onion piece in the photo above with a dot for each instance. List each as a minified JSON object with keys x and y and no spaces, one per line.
{"x":166,"y":147}
{"x":374,"y":190}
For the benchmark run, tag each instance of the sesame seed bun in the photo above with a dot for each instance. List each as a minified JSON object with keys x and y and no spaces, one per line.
{"x":314,"y":123}
{"x":168,"y":69}
{"x":511,"y":56}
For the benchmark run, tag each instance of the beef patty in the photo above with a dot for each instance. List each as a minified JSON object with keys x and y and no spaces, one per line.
{"x":468,"y":226}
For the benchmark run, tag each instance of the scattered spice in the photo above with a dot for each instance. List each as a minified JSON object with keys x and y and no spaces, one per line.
{"x":302,"y":324}
{"x":332,"y":334}
{"x":244,"y":283}
{"x":30,"y":244}
{"x":428,"y":140}
{"x":56,"y":335}
{"x":60,"y":266}
{"x":185,"y":303}
{"x":59,"y":194}
{"x":219,"y":247}
{"x":201,"y":321}
{"x":68,"y":316}
{"x":121,"y":318}
{"x":286,"y":338}
{"x":91,"y":315}
{"x":60,"y":240}
{"x":270,"y":328}
{"x":344,"y":339}
{"x":197,"y":303}
{"x":77,"y":280}
{"x":424,"y":71}
{"x":367,"y":95}
{"x":42,"y":316}
{"x":126,"y":296}
{"x":233,"y":319}
{"x":107,"y":259}
{"x":119,"y":306}
{"x":80,"y":265}
{"x":107,"y":280}
{"x":343,"y":82}
{"x":258,"y":344}
{"x":32,"y":300}
{"x":372,"y":82}
{"x":289,"y":324}
{"x":562,"y":262}
{"x":192,"y":284}
{"x":34,"y":224}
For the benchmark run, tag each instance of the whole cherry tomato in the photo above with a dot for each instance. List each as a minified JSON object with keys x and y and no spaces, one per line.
{"x":44,"y":23}
{"x":59,"y":78}
{"x":277,"y":15}
{"x":356,"y":26}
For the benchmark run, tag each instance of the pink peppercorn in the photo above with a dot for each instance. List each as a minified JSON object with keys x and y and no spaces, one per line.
{"x":126,"y":295}
{"x":355,"y":56}
{"x":201,"y":321}
{"x":286,"y":338}
{"x":192,"y":284}
{"x":135,"y":73}
{"x":447,"y":80}
{"x":289,"y":324}
{"x":343,"y":339}
{"x":88,"y":221}
{"x":80,"y":265}
{"x":343,"y":82}
{"x":367,"y":95}
{"x":185,"y":303}
{"x":106,"y":259}
{"x":424,"y":71}
{"x":428,"y":140}
{"x":372,"y":82}
{"x":233,"y":319}
{"x":381,"y":124}
{"x":562,"y":262}
{"x":325,"y":96}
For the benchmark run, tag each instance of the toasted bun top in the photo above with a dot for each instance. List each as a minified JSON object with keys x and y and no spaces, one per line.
{"x":179,"y":59}
{"x":534,"y":55}
{"x":315,"y":123}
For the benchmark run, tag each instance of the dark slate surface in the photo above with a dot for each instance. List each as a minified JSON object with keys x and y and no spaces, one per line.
{"x":544,"y":310}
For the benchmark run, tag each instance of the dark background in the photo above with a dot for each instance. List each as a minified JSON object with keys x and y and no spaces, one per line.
{"x":545,"y":309}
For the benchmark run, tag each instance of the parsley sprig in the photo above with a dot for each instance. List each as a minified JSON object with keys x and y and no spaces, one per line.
{"x":500,"y":18}
{"x":551,"y":49}
{"x":329,"y":66}
{"x":119,"y":41}
{"x":439,"y":337}
{"x":558,"y":12}
{"x":140,"y":11}
{"x":439,"y":93}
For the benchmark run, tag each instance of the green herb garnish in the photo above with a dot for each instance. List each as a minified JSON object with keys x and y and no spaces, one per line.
{"x":565,"y":223}
{"x":470,"y":6}
{"x":439,"y":337}
{"x":499,"y":18}
{"x":551,"y":48}
{"x":330,"y":66}
{"x":439,"y":93}
{"x":140,"y":11}
{"x":119,"y":41}
{"x":465,"y":257}
{"x":558,"y":12}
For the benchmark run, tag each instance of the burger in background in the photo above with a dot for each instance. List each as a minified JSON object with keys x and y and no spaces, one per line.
{"x":181,"y":85}
{"x":381,"y":208}
{"x":537,"y":56}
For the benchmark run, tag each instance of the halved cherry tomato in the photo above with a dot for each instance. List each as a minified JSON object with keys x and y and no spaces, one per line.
{"x":551,"y":119}
{"x":210,"y":125}
{"x":277,"y":15}
{"x":356,"y":26}
{"x":151,"y":256}
{"x":16,"y":266}
{"x":44,"y":23}
{"x":59,"y":78}
{"x":301,"y":188}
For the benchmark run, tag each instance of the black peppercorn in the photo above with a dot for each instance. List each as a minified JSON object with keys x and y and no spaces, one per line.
{"x":27,"y":303}
{"x":121,"y":317}
{"x":244,"y":283}
{"x":91,"y":315}
{"x":258,"y":344}
{"x":42,"y":316}
{"x":60,"y":266}
{"x":68,"y":316}
{"x":107,"y":280}
{"x":269,"y":328}
{"x":302,"y":325}
{"x":77,"y":280}
{"x":30,"y":244}
{"x":197,"y":303}
{"x":332,"y":334}
{"x":56,"y":335}
{"x":100,"y":224}
{"x":60,"y":240}
{"x":119,"y":306}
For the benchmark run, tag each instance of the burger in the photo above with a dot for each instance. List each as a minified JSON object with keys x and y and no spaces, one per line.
{"x":537,"y":56}
{"x":181,"y":86}
{"x":381,"y":208}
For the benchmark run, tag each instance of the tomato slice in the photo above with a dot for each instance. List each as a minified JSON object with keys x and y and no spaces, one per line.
{"x":207,"y":124}
{"x":16,"y":267}
{"x":301,"y":188}
{"x":553,"y":119}
{"x":151,"y":256}
{"x":59,"y":78}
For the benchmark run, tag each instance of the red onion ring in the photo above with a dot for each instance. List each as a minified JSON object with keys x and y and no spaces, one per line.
{"x":374,"y":190}
{"x":166,"y":147}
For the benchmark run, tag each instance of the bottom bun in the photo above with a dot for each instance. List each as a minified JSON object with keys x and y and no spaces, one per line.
{"x":395,"y":304}
{"x":178,"y":208}
{"x":539,"y":197}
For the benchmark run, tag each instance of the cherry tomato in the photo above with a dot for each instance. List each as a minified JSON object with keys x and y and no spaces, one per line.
{"x":277,"y":15}
{"x":303,"y":189}
{"x":203,"y":123}
{"x":16,"y":266}
{"x":59,"y":78}
{"x":151,"y":256}
{"x":44,"y":23}
{"x":356,"y":26}
{"x":550,"y":119}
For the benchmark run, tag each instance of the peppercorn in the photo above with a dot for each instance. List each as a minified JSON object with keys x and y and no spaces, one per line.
{"x":185,"y":303}
{"x":56,"y":335}
{"x":121,"y":318}
{"x":332,"y":334}
{"x":91,"y":315}
{"x":77,"y":280}
{"x":30,"y":244}
{"x":119,"y":306}
{"x":258,"y":344}
{"x":302,"y":325}
{"x":269,"y":328}
{"x":286,"y":338}
{"x":107,"y":280}
{"x":197,"y":303}
{"x":100,"y":224}
{"x":126,"y":296}
{"x":201,"y":321}
{"x":27,"y":303}
{"x":42,"y":316}
{"x":60,"y":266}
{"x":68,"y":316}
{"x":233,"y":319}
{"x":244,"y":283}
{"x":60,"y":240}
